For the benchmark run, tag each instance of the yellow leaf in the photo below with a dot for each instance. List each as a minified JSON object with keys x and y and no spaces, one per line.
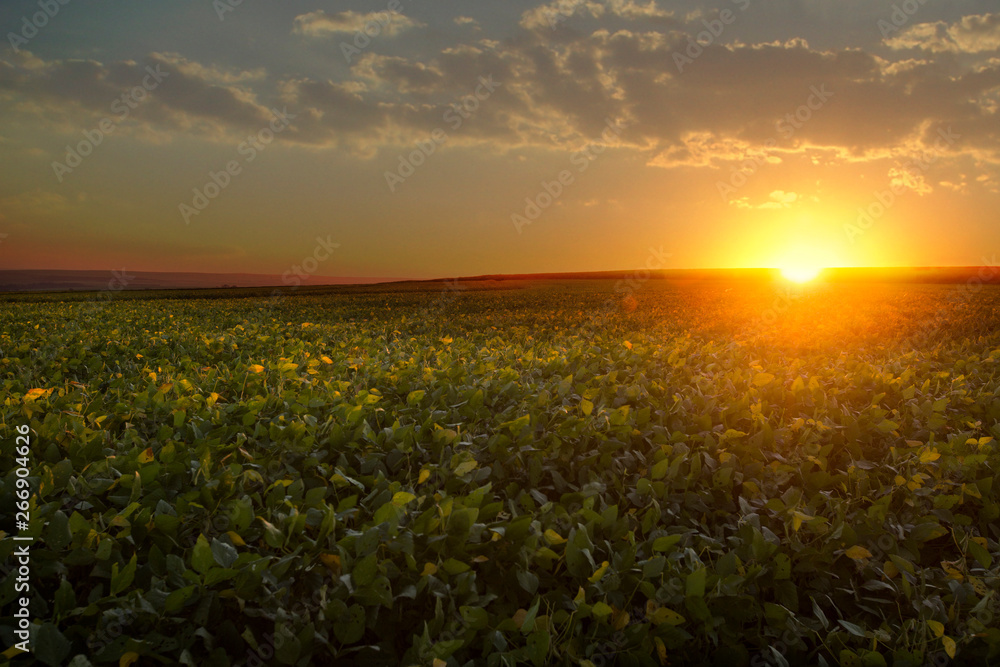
{"x":403,"y":498}
{"x":798,"y":518}
{"x":949,"y":646}
{"x":235,"y":538}
{"x":890,"y":569}
{"x":429,"y":568}
{"x":553,"y":538}
{"x":423,"y":477}
{"x":952,"y":571}
{"x":11,"y":652}
{"x":594,"y":578}
{"x":762,"y":379}
{"x":34,"y":394}
{"x":900,"y":480}
{"x":438,"y":662}
{"x":519,"y":616}
{"x":621,"y":620}
{"x":661,"y":650}
{"x":936,"y":627}
{"x":146,"y":456}
{"x":326,"y":360}
{"x":858,"y":553}
{"x":627,"y":344}
{"x":724,"y":457}
{"x":665,"y":615}
{"x":127,"y":659}
{"x":586,"y":406}
{"x":914,"y":443}
{"x":929,"y":455}
{"x":256,"y":368}
{"x":332,"y":563}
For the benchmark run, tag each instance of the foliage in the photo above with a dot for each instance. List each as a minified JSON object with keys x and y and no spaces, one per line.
{"x":364,"y":477}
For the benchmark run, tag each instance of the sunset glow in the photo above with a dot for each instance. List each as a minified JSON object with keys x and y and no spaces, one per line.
{"x":515,"y":137}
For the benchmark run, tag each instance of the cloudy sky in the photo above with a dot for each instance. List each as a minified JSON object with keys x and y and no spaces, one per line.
{"x":457,"y":138}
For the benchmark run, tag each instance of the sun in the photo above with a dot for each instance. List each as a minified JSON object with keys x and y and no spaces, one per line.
{"x":801,"y":273}
{"x":805,"y":260}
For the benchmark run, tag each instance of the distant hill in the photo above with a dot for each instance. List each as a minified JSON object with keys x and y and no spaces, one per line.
{"x":67,"y":281}
{"x":946,"y":274}
{"x":62,"y":281}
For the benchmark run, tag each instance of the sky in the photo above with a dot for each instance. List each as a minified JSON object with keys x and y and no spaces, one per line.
{"x":428,"y":139}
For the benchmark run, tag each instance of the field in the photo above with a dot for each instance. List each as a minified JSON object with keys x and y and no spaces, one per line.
{"x":676,"y":473}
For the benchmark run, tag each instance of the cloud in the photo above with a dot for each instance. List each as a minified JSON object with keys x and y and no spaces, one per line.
{"x":37,"y":203}
{"x":184,"y":95}
{"x":210,"y":73}
{"x":400,"y":74}
{"x":972,"y":34}
{"x":909,"y":179}
{"x":629,"y":9}
{"x":776,"y":200}
{"x":321,"y":24}
{"x":552,"y":14}
{"x":559,"y":94}
{"x":466,"y":20}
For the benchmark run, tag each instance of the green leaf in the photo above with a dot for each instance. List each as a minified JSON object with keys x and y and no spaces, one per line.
{"x":350,"y":627}
{"x":272,"y":535}
{"x":201,"y":555}
{"x":286,"y":646}
{"x":177,"y":598}
{"x":529,"y":619}
{"x":50,"y":646}
{"x":980,"y":554}
{"x":666,"y":542}
{"x":695,"y":585}
{"x":365,"y":570}
{"x":57,"y":534}
{"x":782,"y":566}
{"x":601,"y":609}
{"x":453,"y":566}
{"x":123,"y":579}
{"x":223,"y":553}
{"x":855,"y":630}
{"x":476,"y":618}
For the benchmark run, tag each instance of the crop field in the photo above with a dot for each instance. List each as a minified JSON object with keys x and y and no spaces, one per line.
{"x":511,"y":473}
